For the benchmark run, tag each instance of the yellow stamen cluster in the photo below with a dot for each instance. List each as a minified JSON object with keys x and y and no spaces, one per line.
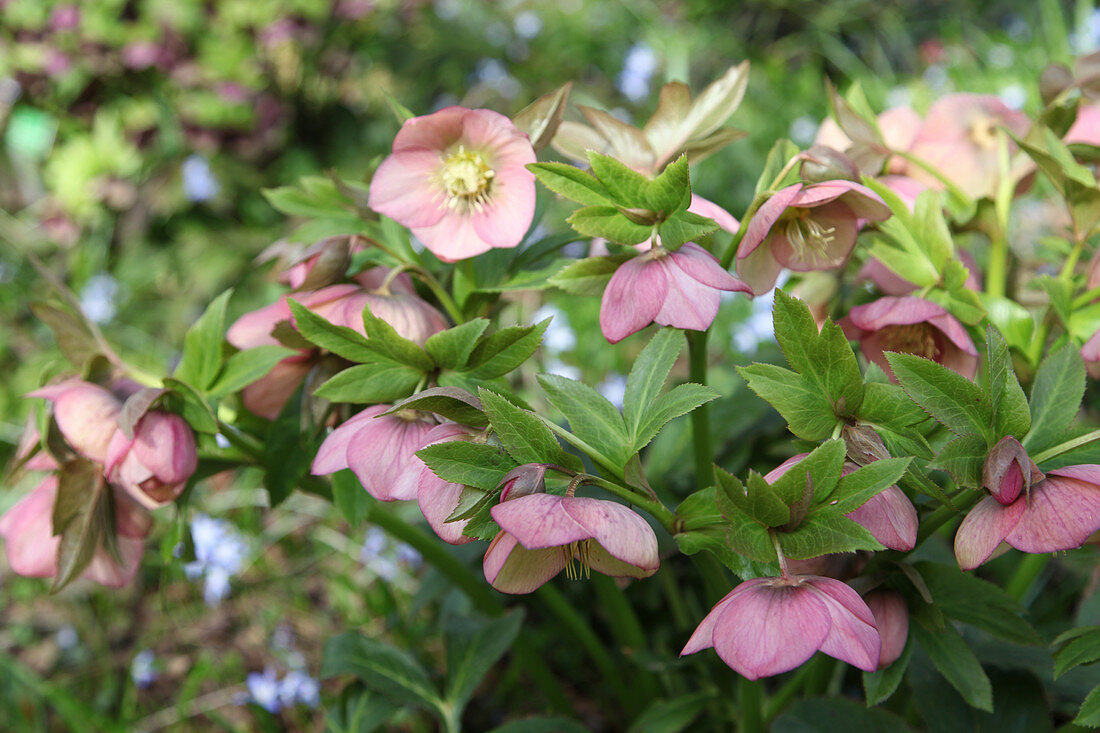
{"x":984,"y":132}
{"x":577,"y":559}
{"x":915,"y":338}
{"x":809,"y":239}
{"x":466,"y":180}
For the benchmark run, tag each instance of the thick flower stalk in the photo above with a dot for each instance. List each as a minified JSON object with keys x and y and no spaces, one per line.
{"x":457,"y":179}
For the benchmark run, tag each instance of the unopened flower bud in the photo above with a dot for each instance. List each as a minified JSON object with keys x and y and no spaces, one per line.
{"x":864,"y":444}
{"x":892,"y":620}
{"x":821,"y":163}
{"x":155,"y":466}
{"x":1009,"y":470}
{"x":85,"y":413}
{"x":1054,"y":80}
{"x":530,"y":478}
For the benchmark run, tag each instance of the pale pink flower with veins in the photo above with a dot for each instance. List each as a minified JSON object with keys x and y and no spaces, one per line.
{"x":85,"y":413}
{"x":457,"y":179}
{"x":155,"y":466}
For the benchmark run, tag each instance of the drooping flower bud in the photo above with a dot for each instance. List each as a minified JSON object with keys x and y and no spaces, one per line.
{"x":864,"y":444}
{"x":822,"y":163}
{"x":530,"y":478}
{"x":156,"y":464}
{"x":892,"y":620}
{"x":1009,"y":470}
{"x":85,"y":413}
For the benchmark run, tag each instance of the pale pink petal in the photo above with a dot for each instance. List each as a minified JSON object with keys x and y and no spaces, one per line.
{"x":268,"y":395}
{"x":688,"y":303}
{"x":1089,"y":472}
{"x":771,"y":629}
{"x":86,"y":415}
{"x":703,"y":637}
{"x":373,"y":278}
{"x":884,"y":278}
{"x":890,"y":517}
{"x":28,"y":532}
{"x":436,"y":131}
{"x":892,"y":621}
{"x":509,"y":211}
{"x":899,"y":126}
{"x":254,"y":329}
{"x":404,"y":188}
{"x":437,"y":500}
{"x":764,"y":219}
{"x":955,"y":331}
{"x":835,"y":216}
{"x":510,"y":568}
{"x":759,"y":270}
{"x":852,"y":636}
{"x":894,"y":311}
{"x":983,"y":529}
{"x":704,"y":268}
{"x":381,"y":454}
{"x":165,"y":445}
{"x":104,"y":570}
{"x":633,"y":298}
{"x":332,"y":456}
{"x":452,"y":239}
{"x":538,"y":521}
{"x":1061,"y":514}
{"x":618,"y":529}
{"x":1086,"y":127}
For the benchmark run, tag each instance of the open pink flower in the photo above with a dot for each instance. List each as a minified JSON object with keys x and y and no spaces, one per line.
{"x":438,"y":498}
{"x":805,"y":227}
{"x":156,"y":464}
{"x":380,"y":450}
{"x":911,"y":325}
{"x":766,"y":626}
{"x":457,"y":179}
{"x":543,"y":534}
{"x":27,"y":529}
{"x":85,"y":413}
{"x":960,"y":137}
{"x":1058,"y":513}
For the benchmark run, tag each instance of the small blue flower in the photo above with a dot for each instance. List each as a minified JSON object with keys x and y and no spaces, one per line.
{"x":298,"y":687}
{"x":199,"y":183}
{"x":638,"y":68}
{"x":142,"y":671}
{"x":220,"y":552}
{"x":264,"y":690}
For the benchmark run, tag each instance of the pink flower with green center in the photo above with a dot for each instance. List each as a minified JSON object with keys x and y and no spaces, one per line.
{"x":543,"y":534}
{"x":1057,"y":513}
{"x":767,"y":626}
{"x":911,"y":325}
{"x":805,"y":227}
{"x":457,"y":179}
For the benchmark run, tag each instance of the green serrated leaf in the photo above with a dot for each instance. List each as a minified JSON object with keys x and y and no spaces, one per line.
{"x":761,"y":503}
{"x":627,"y":187}
{"x":881,"y":684}
{"x":807,"y":410}
{"x":824,"y":531}
{"x":1089,"y":713}
{"x":823,"y":465}
{"x":499,"y":353}
{"x":523,"y":435}
{"x":1083,"y":647}
{"x":470,"y":464}
{"x":1055,"y":397}
{"x":592,"y":418}
{"x":963,"y":458}
{"x":371,"y":384}
{"x":670,"y":191}
{"x":384,"y":339}
{"x":647,"y":377}
{"x":678,"y":401}
{"x":589,"y":276}
{"x":1010,"y":410}
{"x":957,"y":663}
{"x":453,"y":403}
{"x":956,"y":402}
{"x":185,"y":401}
{"x":572,"y":183}
{"x":202,"y":346}
{"x":451,"y":349}
{"x":684,"y":226}
{"x":610,"y":224}
{"x":340,"y":340}
{"x":855,"y":489}
{"x":245,"y":367}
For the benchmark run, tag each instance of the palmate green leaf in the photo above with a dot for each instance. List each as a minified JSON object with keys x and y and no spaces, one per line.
{"x":523,"y":435}
{"x":823,"y":466}
{"x":684,"y":226}
{"x":610,"y":224}
{"x":502,"y":351}
{"x":680,"y":400}
{"x":749,"y":538}
{"x":957,"y":403}
{"x":648,"y":375}
{"x":589,"y":276}
{"x":855,"y":489}
{"x":1010,"y":409}
{"x":1089,"y":713}
{"x":963,"y":458}
{"x":628,"y":187}
{"x":699,"y":509}
{"x":383,"y":668}
{"x":967,"y":598}
{"x":371,"y":384}
{"x":759,"y":502}
{"x":956,"y":662}
{"x":592,"y":418}
{"x":473,"y":647}
{"x":340,"y":340}
{"x":670,"y":192}
{"x":824,"y":531}
{"x":470,"y":464}
{"x":572,"y":183}
{"x":1055,"y":397}
{"x":451,"y":349}
{"x":202,"y":346}
{"x":807,"y":410}
{"x":1077,"y":646}
{"x":245,"y":367}
{"x":886,"y":405}
{"x":824,"y":359}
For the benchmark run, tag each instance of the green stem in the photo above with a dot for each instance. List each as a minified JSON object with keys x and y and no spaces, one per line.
{"x":1071,"y":261}
{"x":1030,"y":568}
{"x":962,"y":501}
{"x":996,"y":273}
{"x":440,"y":293}
{"x":702,"y":444}
{"x":568,"y":616}
{"x":1067,"y":446}
{"x":751,"y":697}
{"x":604,"y":462}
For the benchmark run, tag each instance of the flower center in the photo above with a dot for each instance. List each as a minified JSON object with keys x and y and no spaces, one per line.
{"x":576,"y":559}
{"x":809,"y":239}
{"x":466,"y":178}
{"x":915,"y":338}
{"x":984,"y":132}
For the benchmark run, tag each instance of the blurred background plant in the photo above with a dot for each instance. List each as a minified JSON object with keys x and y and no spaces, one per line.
{"x":138,"y":136}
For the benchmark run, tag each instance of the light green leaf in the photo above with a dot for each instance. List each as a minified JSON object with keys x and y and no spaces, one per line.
{"x":610,"y":224}
{"x":245,"y":367}
{"x":572,"y":183}
{"x":680,"y":400}
{"x":386,"y":341}
{"x":523,"y":435}
{"x":1010,"y":409}
{"x":588,"y":276}
{"x":592,"y":418}
{"x":808,"y":412}
{"x":340,"y":340}
{"x":202,"y":346}
{"x":451,"y":349}
{"x":1055,"y":397}
{"x":647,"y":377}
{"x":684,"y":226}
{"x":371,"y":384}
{"x":502,"y":351}
{"x":957,"y":403}
{"x":470,"y":464}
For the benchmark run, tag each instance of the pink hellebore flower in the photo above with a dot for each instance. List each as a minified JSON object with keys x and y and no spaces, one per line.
{"x":1086,"y":128}
{"x":960,"y":137}
{"x":888,"y":515}
{"x":1090,"y":352}
{"x":155,"y":466}
{"x":457,"y":179}
{"x":543,"y":534}
{"x":766,"y":626}
{"x":380,"y":450}
{"x":911,"y":325}
{"x":805,"y":227}
{"x":438,"y":498}
{"x":27,"y":529}
{"x":1058,"y":513}
{"x":892,"y":621}
{"x":85,"y":413}
{"x":681,"y":288}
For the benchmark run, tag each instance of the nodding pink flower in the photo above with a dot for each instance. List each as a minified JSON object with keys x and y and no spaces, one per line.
{"x":543,"y":534}
{"x":892,"y":621}
{"x":85,"y":413}
{"x":805,"y":227}
{"x":681,"y":288}
{"x":155,"y":466}
{"x":32,"y":547}
{"x":457,"y":179}
{"x":960,"y":137}
{"x":1058,"y":513}
{"x":380,"y":450}
{"x":438,"y":498}
{"x":1086,"y":127}
{"x":1009,"y":470}
{"x":766,"y":626}
{"x":888,"y":515}
{"x":1090,"y":352}
{"x":911,"y":325}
